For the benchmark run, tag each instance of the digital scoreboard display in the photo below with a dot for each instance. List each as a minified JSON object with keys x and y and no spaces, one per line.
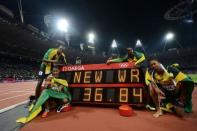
{"x":117,"y":83}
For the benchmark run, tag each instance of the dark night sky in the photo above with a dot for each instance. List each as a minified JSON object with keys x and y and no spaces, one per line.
{"x":123,"y":20}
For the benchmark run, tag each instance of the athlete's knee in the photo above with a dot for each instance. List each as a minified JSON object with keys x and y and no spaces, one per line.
{"x":45,"y":91}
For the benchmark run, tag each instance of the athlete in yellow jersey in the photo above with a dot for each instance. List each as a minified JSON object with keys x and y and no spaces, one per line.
{"x":167,"y":85}
{"x":132,"y":56}
{"x":51,"y":57}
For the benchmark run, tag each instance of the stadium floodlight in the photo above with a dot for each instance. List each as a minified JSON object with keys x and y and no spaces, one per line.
{"x":169,"y":36}
{"x":91,"y":38}
{"x":114,"y":44}
{"x":138,"y":43}
{"x":62,"y":25}
{"x":114,"y":47}
{"x":189,"y":21}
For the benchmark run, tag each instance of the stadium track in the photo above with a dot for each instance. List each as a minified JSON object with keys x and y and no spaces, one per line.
{"x":14,"y":94}
{"x":100,"y":119}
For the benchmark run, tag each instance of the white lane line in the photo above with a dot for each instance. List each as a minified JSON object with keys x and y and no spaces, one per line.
{"x":24,"y":91}
{"x":14,"y":92}
{"x":7,"y":90}
{"x":13,"y":97}
{"x":13,"y":106}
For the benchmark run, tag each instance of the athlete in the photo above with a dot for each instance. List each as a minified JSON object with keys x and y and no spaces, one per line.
{"x":52,"y":57}
{"x":169,"y":86}
{"x":132,"y":56}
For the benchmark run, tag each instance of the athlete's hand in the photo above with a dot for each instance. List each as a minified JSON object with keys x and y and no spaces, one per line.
{"x":108,"y":62}
{"x":55,"y":61}
{"x":60,"y":87}
{"x":136,"y":66}
{"x":47,"y":84}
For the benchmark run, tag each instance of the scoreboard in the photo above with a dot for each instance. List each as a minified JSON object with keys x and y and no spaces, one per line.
{"x":116,"y":83}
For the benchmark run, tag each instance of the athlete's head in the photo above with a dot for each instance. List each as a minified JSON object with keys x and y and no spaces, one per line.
{"x":55,"y":71}
{"x":130,"y":51}
{"x":155,"y":64}
{"x":61,"y":49}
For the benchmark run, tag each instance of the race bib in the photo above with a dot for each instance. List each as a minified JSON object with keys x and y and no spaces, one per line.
{"x":169,"y":87}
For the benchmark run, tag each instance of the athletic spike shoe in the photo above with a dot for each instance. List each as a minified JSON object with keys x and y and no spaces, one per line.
{"x":45,"y":114}
{"x":149,"y":107}
{"x":64,"y":108}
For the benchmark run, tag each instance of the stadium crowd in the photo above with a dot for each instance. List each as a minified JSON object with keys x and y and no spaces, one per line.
{"x":184,"y":57}
{"x":20,"y":68}
{"x":12,"y":69}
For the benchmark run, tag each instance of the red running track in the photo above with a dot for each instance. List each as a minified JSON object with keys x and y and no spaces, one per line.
{"x":15,"y":93}
{"x":108,"y":119}
{"x":97,"y":119}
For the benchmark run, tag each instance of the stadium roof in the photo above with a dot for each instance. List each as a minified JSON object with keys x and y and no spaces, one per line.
{"x":124,"y":20}
{"x":16,"y":39}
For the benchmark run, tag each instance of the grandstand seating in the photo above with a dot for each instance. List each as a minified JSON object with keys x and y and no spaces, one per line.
{"x":185,"y":57}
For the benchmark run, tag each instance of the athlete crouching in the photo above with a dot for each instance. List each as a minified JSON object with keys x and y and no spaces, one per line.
{"x":56,"y":88}
{"x":53,"y":88}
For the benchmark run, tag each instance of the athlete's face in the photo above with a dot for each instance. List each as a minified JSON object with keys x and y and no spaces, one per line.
{"x":130,"y":51}
{"x":60,"y":50}
{"x":154,"y":64}
{"x":56,"y":72}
